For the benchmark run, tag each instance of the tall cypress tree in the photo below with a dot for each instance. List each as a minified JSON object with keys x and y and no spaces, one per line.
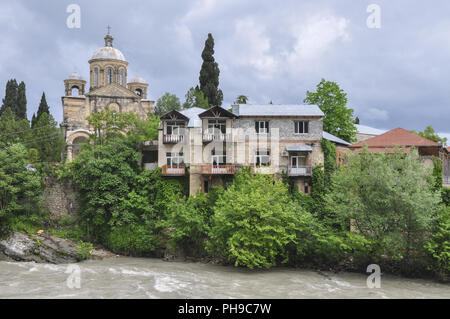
{"x":21,"y":106}
{"x":43,"y":108}
{"x":209,"y":75}
{"x":10,"y":99}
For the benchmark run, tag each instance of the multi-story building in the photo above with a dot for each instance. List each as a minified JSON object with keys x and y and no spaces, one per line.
{"x":213,"y":144}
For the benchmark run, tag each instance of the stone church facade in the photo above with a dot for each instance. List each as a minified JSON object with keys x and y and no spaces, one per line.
{"x":108,"y":87}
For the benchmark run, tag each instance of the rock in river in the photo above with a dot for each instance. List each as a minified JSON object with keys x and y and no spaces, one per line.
{"x":42,"y":248}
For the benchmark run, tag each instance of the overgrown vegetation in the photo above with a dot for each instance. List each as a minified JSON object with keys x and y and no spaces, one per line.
{"x":377,"y":208}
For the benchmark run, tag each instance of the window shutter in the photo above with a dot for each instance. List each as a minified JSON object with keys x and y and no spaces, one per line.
{"x":257,"y":126}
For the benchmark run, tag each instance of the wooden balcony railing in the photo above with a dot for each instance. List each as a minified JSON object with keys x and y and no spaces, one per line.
{"x":224,"y":169}
{"x":173,"y":171}
{"x":300,"y":171}
{"x":267,"y":170}
{"x":173,"y":139}
{"x":209,"y":137}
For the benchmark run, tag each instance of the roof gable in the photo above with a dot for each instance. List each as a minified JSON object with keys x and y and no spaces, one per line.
{"x":216,"y":112}
{"x":173,"y":116}
{"x":114,"y":89}
{"x":396,"y":137}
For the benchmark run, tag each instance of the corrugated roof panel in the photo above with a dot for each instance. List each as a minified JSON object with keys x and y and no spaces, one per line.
{"x":364,"y":129}
{"x":333,"y":138}
{"x":278,"y":110}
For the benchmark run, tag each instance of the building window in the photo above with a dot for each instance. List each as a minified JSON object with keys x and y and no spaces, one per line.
{"x":175,"y":128}
{"x":138,"y":92}
{"x":175,"y":159}
{"x":301,"y":127}
{"x":96,"y":77}
{"x":262,"y":127}
{"x":109,"y":76}
{"x":217,"y":126}
{"x":122,"y":77}
{"x":262,"y":158}
{"x":298,"y":160}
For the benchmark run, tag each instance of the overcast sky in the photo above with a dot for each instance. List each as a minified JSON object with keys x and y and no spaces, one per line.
{"x":398,"y":75}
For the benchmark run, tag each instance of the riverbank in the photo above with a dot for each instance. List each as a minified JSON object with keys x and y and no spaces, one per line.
{"x":45,"y":248}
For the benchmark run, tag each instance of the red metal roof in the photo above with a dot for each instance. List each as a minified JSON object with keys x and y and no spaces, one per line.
{"x":396,"y":137}
{"x":448,"y":149}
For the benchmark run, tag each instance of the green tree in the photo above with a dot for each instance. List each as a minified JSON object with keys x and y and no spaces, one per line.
{"x":438,"y":174}
{"x":387,"y":198}
{"x":330,"y":158}
{"x":21,"y":111}
{"x":43,"y":108}
{"x":47,"y":139}
{"x":166,"y":103}
{"x":430,"y":134}
{"x":241,"y":99}
{"x":143,"y":130}
{"x":12,"y":130}
{"x":195,"y":98}
{"x":318,"y":192}
{"x":209,"y":74}
{"x":107,"y":123}
{"x":332,"y":101}
{"x":438,"y":246}
{"x":10,"y":99}
{"x":254,"y":221}
{"x":20,"y":186}
{"x":104,"y":175}
{"x":357,"y":120}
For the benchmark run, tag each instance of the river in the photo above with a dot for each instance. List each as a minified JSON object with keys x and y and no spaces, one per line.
{"x":154,"y":278}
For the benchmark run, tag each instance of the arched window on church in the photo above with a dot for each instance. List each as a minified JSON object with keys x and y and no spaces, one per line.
{"x":122,"y":77}
{"x":96,"y":77}
{"x":75,"y":91}
{"x":138,"y":92}
{"x":109,"y":76}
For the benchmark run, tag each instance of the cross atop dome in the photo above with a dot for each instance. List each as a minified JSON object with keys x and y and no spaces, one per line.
{"x":108,"y":38}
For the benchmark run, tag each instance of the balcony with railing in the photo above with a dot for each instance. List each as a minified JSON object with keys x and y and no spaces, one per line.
{"x":220,"y":169}
{"x":300,"y":171}
{"x":172,"y":139}
{"x":209,"y":136}
{"x":173,"y":170}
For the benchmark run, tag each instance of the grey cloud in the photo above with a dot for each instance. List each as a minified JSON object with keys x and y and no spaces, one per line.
{"x":269,"y":50}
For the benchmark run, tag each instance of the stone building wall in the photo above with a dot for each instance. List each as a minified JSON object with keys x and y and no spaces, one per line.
{"x":59,"y":197}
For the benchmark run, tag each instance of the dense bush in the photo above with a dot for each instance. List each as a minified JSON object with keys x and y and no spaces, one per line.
{"x":389,"y":199}
{"x":20,"y":188}
{"x":122,"y":205}
{"x":254,"y":221}
{"x":439,"y":244}
{"x":446,"y":195}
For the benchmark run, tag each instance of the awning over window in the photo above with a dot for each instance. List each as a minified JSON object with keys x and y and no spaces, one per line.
{"x":302,"y":148}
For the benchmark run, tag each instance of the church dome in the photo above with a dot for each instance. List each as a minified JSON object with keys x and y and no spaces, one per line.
{"x":108,"y":53}
{"x":138,"y":80}
{"x":75,"y":76}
